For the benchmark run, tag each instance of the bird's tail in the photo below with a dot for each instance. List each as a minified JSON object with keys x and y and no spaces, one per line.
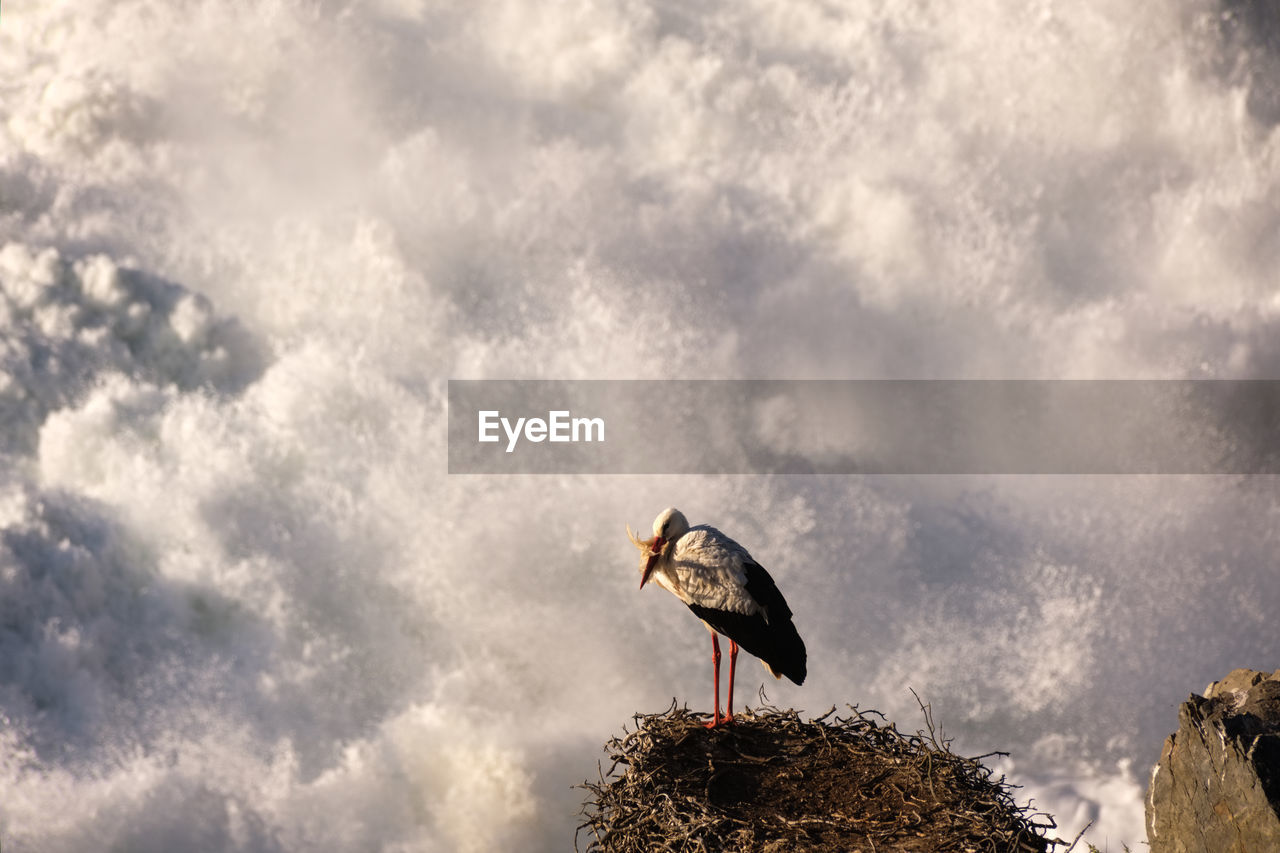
{"x":789,"y":656}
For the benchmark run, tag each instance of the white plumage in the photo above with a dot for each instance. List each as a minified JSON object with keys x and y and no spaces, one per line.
{"x":706,"y":568}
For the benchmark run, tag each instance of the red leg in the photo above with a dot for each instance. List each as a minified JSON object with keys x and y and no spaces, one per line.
{"x":715,"y":658}
{"x":733,"y":665}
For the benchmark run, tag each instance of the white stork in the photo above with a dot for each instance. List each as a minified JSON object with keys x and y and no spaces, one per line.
{"x":730,"y":592}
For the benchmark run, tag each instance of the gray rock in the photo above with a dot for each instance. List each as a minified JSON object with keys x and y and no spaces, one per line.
{"x":1216,"y":788}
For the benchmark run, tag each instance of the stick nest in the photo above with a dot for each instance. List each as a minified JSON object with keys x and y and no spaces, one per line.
{"x":773,"y":783}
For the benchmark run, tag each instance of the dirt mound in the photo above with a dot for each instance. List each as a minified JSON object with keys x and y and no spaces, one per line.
{"x":774,"y":783}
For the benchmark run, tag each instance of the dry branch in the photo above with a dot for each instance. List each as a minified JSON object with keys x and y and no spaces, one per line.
{"x":774,"y":783}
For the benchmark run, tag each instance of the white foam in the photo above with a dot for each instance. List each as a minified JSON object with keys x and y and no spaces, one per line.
{"x":243,"y":607}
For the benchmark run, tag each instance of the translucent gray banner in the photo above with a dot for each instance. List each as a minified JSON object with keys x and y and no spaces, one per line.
{"x":864,"y":427}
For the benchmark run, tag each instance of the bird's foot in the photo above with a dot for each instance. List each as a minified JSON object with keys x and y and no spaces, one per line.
{"x":717,"y":722}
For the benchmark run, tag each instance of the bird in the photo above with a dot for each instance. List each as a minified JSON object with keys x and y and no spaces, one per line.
{"x":729,"y":591}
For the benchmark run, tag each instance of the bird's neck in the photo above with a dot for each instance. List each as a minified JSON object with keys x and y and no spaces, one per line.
{"x":663,"y":575}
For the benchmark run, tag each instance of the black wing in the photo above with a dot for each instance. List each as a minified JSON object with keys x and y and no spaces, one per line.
{"x":769,"y":635}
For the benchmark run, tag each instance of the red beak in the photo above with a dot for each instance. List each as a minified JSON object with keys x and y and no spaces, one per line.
{"x":655,"y":551}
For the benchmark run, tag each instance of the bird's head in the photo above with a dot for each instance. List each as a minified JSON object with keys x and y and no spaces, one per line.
{"x":669,"y":526}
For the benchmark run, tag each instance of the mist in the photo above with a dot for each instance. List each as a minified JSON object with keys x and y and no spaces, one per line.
{"x":243,"y":606}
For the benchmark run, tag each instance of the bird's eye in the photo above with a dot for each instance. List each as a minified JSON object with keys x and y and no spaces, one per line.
{"x":664,"y":528}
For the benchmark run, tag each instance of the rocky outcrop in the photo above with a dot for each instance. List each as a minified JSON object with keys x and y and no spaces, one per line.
{"x":1216,"y":788}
